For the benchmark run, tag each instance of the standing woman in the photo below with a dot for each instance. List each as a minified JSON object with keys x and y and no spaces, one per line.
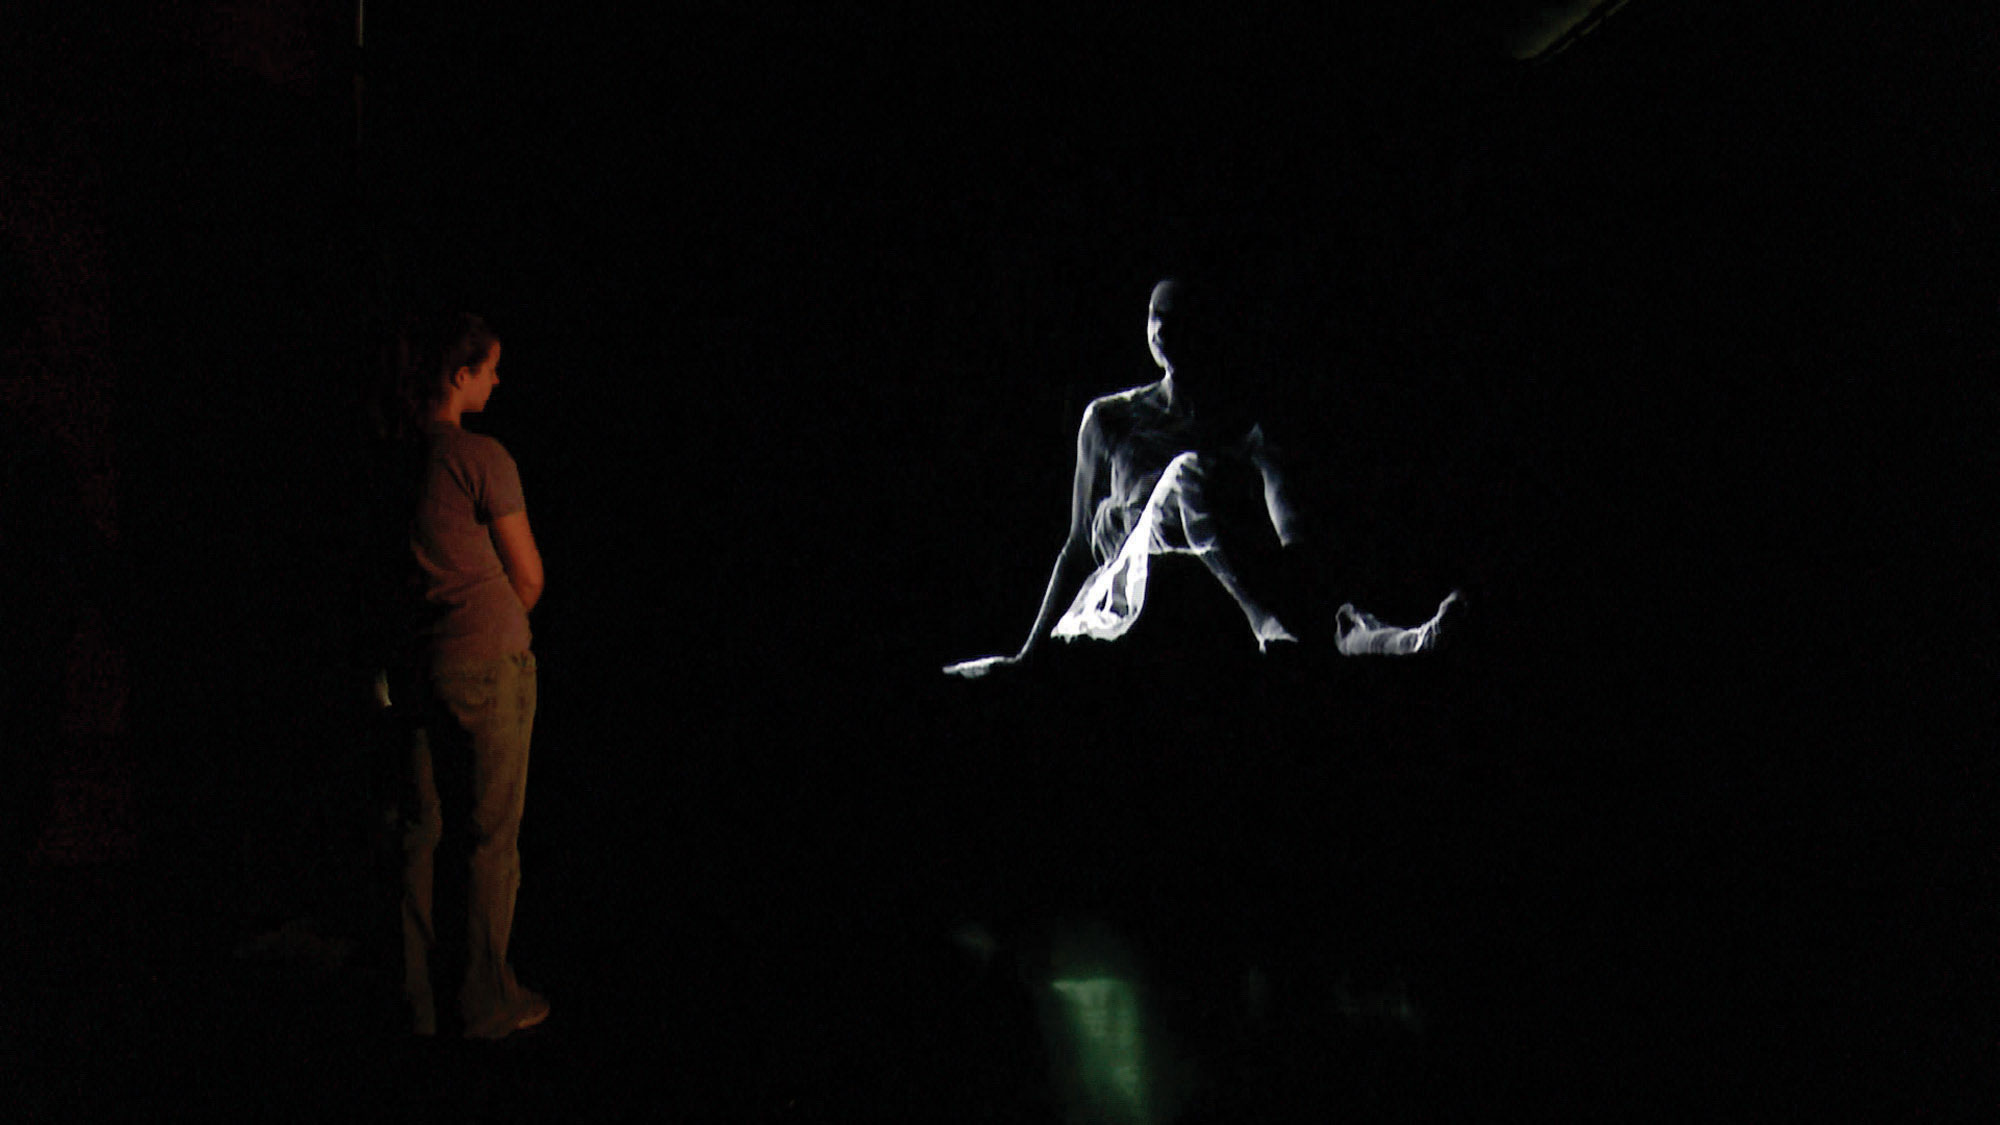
{"x":469,"y":675}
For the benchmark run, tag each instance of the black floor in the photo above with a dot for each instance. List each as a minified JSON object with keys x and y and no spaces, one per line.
{"x":1446,"y":916}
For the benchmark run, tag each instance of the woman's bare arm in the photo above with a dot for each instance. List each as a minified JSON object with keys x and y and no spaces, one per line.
{"x":516,"y":545}
{"x":1073,"y":561}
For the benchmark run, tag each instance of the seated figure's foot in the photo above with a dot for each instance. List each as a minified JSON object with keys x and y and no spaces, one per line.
{"x":1443,"y":621}
{"x":1426,"y":637}
{"x":1348,"y":620}
{"x":1358,"y":633}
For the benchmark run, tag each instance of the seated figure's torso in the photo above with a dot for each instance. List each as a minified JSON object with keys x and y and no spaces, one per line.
{"x":1141,"y":436}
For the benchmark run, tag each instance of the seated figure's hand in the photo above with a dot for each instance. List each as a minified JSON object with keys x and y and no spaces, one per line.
{"x":1271,"y":629}
{"x":973,"y":669}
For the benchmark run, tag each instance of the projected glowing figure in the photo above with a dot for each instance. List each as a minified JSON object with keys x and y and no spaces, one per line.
{"x":1147,"y":461}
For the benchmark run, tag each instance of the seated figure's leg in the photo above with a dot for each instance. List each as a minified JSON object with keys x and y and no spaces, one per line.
{"x":1362,"y":634}
{"x":1178,"y":509}
{"x":1111,"y":598}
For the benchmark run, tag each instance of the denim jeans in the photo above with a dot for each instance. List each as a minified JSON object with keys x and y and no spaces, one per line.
{"x":471,"y":745}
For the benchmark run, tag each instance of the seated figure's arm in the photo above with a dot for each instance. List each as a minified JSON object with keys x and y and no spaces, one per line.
{"x":1284,"y":516}
{"x":1073,"y":561}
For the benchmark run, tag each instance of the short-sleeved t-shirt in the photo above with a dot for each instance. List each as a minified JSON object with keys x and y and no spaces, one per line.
{"x":469,"y":481}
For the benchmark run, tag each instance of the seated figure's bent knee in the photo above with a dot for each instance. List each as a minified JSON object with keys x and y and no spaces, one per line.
{"x":1183,"y":512}
{"x":1183,"y":475}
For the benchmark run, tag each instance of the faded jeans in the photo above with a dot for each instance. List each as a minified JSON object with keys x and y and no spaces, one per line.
{"x":472,"y":744}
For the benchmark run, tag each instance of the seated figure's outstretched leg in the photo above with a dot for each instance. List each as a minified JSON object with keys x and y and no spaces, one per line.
{"x":1361,"y":633}
{"x":1180,"y":509}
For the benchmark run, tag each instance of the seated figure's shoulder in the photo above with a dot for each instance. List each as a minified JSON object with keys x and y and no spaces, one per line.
{"x":1114,"y":413}
{"x":1100,"y":415}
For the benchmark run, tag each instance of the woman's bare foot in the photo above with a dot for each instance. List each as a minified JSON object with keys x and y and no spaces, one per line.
{"x":1358,"y":633}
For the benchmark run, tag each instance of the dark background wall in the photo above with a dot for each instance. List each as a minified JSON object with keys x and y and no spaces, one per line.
{"x":1671,"y":350}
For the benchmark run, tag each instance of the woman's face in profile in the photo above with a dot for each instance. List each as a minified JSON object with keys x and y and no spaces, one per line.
{"x":483,"y":379}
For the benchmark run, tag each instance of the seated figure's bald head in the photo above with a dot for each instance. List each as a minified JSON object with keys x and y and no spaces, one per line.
{"x":1178,"y":327}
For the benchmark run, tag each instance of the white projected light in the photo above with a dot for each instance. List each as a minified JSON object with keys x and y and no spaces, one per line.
{"x":1145,"y":462}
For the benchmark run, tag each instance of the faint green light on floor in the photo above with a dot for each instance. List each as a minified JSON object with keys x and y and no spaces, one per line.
{"x":1109,"y":1066}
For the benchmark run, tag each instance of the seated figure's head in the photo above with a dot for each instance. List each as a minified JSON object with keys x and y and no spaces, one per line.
{"x":1168,"y":325}
{"x":1190,"y":330}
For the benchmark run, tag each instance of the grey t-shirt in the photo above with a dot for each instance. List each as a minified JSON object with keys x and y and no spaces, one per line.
{"x":469,"y":481}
